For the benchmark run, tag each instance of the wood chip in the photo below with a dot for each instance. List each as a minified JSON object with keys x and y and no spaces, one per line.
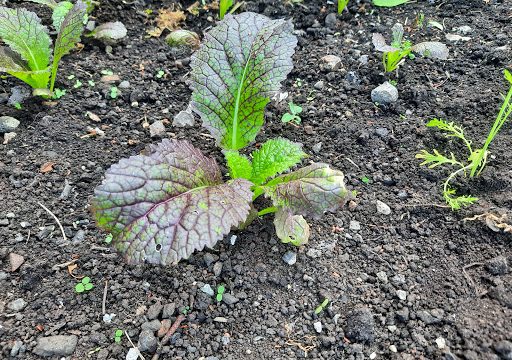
{"x":46,"y":167}
{"x":16,"y":261}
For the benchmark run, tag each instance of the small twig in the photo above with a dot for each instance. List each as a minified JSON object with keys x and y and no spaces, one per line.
{"x":103,"y":304}
{"x":435,"y":205}
{"x":133,"y":345}
{"x":63,"y":265}
{"x":28,"y":236}
{"x":168,"y":335}
{"x":56,"y":219}
{"x":469,"y":279}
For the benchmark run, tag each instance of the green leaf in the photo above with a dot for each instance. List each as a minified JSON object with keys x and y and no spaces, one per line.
{"x":287,"y":117}
{"x":508,"y":75}
{"x":79,"y":288}
{"x":239,"y":165}
{"x":295,"y":109}
{"x":163,"y":206}
{"x":274,"y":157}
{"x":239,"y":66}
{"x":224,"y":6}
{"x":88,"y":287}
{"x":221,"y":289}
{"x":219,"y":297}
{"x":389,"y":3}
{"x":60,"y":12}
{"x":437,"y":159}
{"x":23,"y":32}
{"x":291,"y":228}
{"x":457,"y":202}
{"x":86,"y":280}
{"x":309,"y":191}
{"x":69,"y":34}
{"x":14,"y":65}
{"x":118,"y":333}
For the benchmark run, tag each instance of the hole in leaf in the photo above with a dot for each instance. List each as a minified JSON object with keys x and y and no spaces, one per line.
{"x":158,"y":247}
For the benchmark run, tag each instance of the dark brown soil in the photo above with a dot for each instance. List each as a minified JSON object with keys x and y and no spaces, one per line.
{"x":443,"y":263}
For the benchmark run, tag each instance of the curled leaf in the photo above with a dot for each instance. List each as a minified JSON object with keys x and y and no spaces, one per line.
{"x":433,"y":49}
{"x":379,"y":42}
{"x":110,"y":32}
{"x":238,"y":67}
{"x":291,"y":228}
{"x":163,"y":206}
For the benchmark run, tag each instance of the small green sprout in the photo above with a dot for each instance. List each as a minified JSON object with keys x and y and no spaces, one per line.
{"x":420,"y":20}
{"x":365,"y":180}
{"x":107,"y":72}
{"x":118,"y":335}
{"x":342,"y":4}
{"x":477,"y":158}
{"x":71,"y":77}
{"x":297,"y":83}
{"x":84,"y":285}
{"x":160,"y":74}
{"x":78,"y":84}
{"x":220,"y":292}
{"x":108,"y":238}
{"x":322,"y":306}
{"x":91,"y":83}
{"x":113,"y":92}
{"x":58,"y":93}
{"x":17,"y":105}
{"x":293,"y":115}
{"x":185,"y":310}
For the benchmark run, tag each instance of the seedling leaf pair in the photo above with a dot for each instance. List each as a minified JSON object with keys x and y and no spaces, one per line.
{"x":84,"y":285}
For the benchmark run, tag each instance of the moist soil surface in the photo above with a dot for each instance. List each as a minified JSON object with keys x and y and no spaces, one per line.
{"x":419,"y":283}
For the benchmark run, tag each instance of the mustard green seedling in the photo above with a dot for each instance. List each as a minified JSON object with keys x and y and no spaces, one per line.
{"x":322,"y":306}
{"x":476,"y":159}
{"x":220,"y":292}
{"x":293,"y":115}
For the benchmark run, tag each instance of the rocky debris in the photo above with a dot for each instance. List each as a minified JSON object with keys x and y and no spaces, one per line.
{"x":8,"y":124}
{"x":331,"y":21}
{"x":157,"y":128}
{"x":168,"y":310}
{"x":19,"y":94}
{"x":18,"y":348}
{"x":382,"y":276}
{"x":229,"y":299}
{"x":147,"y":341}
{"x":154,"y":311}
{"x":132,"y":354}
{"x":319,"y":85}
{"x":184,"y":118}
{"x":318,"y":326}
{"x":385,"y":93}
{"x":290,"y":257}
{"x":58,"y":345}
{"x":153,"y":325}
{"x":333,"y":61}
{"x":354,"y":225}
{"x":434,"y":316}
{"x":383,"y":208}
{"x":16,"y":261}
{"x":360,"y":326}
{"x":8,"y":137}
{"x":403,"y":315}
{"x":497,"y":265}
{"x":110,"y":79}
{"x":317,"y":147}
{"x":217,"y":268}
{"x":455,"y":37}
{"x":17,"y":305}
{"x":504,"y":349}
{"x":207,"y":289}
{"x":125,"y":84}
{"x":401,"y":294}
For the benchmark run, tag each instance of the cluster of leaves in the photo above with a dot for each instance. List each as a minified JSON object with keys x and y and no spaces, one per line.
{"x":392,"y":55}
{"x":293,"y":115}
{"x":118,"y":334}
{"x":163,"y":205}
{"x":477,"y":158}
{"x":84,"y":285}
{"x":27,"y":56}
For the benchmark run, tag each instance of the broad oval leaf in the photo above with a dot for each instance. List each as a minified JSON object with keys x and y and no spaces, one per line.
{"x":163,"y":206}
{"x":70,"y":31}
{"x":434,"y":49}
{"x":291,"y":228}
{"x":309,"y":191}
{"x":59,"y":13}
{"x":238,"y":67}
{"x":23,"y":32}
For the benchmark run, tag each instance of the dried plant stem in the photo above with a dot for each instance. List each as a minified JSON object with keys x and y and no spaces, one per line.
{"x":56,"y":219}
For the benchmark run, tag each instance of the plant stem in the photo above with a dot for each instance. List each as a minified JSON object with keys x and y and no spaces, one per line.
{"x":454,"y":174}
{"x":269,"y":210}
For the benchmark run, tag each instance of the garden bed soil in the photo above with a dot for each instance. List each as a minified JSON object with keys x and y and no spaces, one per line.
{"x":419,"y":283}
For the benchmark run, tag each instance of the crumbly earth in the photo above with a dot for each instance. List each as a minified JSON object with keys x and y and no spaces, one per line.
{"x":419,"y":283}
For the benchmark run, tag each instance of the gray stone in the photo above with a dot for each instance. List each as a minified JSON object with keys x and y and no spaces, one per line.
{"x":217,"y":268}
{"x":19,"y":94}
{"x":317,"y":147}
{"x":385,"y":94}
{"x":229,"y":299}
{"x":125,"y":84}
{"x":398,"y":279}
{"x":382,"y":276}
{"x":147,"y":341}
{"x":318,"y":326}
{"x":383,"y":208}
{"x":157,"y":128}
{"x":184,"y":118}
{"x":354,"y":225}
{"x":17,"y":305}
{"x":154,"y":311}
{"x":168,"y":310}
{"x":504,"y":349}
{"x":319,"y":85}
{"x":333,"y":61}
{"x":381,"y":132}
{"x":79,"y":237}
{"x":4,"y":222}
{"x":209,"y":258}
{"x":363,"y":59}
{"x":353,"y":78}
{"x":290,"y":257}
{"x":497,"y":265}
{"x":207,"y":289}
{"x":8,"y":124}
{"x":435,"y":316}
{"x":58,"y":345}
{"x":401,"y":294}
{"x":360,"y":326}
{"x":17,"y":348}
{"x":153,"y":325}
{"x":331,"y":20}
{"x":403,"y":315}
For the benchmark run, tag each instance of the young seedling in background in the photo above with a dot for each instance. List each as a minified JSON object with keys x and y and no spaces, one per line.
{"x":224,"y":6}
{"x":118,"y":335}
{"x":394,"y":54}
{"x":365,"y":180}
{"x":108,"y":238}
{"x":84,"y":285}
{"x":58,"y":93}
{"x":322,"y":306}
{"x":342,"y":4}
{"x":389,"y":3}
{"x":293,"y":115}
{"x":185,"y":310}
{"x":17,"y":106}
{"x":27,"y":56}
{"x":160,"y":74}
{"x":220,"y":292}
{"x":113,"y":92}
{"x":477,"y":158}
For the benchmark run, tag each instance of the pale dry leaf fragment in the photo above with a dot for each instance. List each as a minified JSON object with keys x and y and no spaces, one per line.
{"x":8,"y":137}
{"x":333,"y":61}
{"x":433,"y":49}
{"x":494,"y":222}
{"x":379,"y":42}
{"x":167,"y":19}
{"x":455,"y":37}
{"x":93,"y":116}
{"x":16,"y":261}
{"x":46,"y":167}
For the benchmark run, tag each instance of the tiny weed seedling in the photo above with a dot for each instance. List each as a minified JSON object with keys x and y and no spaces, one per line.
{"x":220,"y":292}
{"x":84,"y":285}
{"x":118,"y":334}
{"x":342,"y":4}
{"x":389,"y":3}
{"x":293,"y":115}
{"x":477,"y":158}
{"x":78,"y":84}
{"x":107,"y":72}
{"x":108,"y":238}
{"x":185,"y":310}
{"x":322,"y":306}
{"x":365,"y":180}
{"x":58,"y":93}
{"x":17,"y":106}
{"x":113,"y":92}
{"x":91,"y":83}
{"x":160,"y":74}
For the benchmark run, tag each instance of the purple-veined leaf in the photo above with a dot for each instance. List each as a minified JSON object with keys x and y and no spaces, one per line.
{"x":309,"y":191}
{"x":70,"y":31}
{"x":163,"y":206}
{"x":59,"y":13}
{"x":291,"y":228}
{"x":380,"y":44}
{"x":433,"y":49}
{"x":239,"y":66}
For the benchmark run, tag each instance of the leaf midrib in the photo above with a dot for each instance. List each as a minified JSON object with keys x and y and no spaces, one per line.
{"x":234,"y":132}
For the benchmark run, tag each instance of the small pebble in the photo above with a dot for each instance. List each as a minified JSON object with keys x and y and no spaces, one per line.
{"x":207,"y":289}
{"x":385,"y":93}
{"x":393,"y":348}
{"x":318,"y":326}
{"x":383,"y":208}
{"x":354,"y":225}
{"x":290,"y":257}
{"x":402,"y":295}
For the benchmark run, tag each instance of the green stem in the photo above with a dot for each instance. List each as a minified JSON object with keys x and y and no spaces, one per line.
{"x":55,"y":67}
{"x":268,"y":210}
{"x":454,"y":174}
{"x":234,"y":135}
